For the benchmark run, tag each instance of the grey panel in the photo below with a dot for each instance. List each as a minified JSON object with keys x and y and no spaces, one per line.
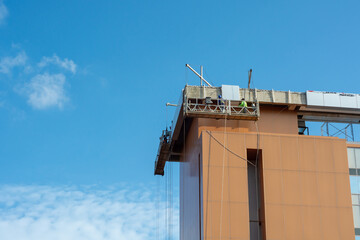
{"x":355,"y":199}
{"x":352,"y":171}
{"x":351,"y":157}
{"x":230,"y":92}
{"x":357,"y":157}
{"x":356,"y":213}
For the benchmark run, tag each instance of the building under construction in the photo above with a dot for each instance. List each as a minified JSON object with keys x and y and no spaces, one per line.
{"x":253,"y":172}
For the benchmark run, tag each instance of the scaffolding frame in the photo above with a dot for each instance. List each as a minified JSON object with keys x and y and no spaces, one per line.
{"x":330,"y":130}
{"x":220,"y":108}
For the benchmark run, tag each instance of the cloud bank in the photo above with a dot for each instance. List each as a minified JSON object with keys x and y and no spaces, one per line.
{"x":66,"y":213}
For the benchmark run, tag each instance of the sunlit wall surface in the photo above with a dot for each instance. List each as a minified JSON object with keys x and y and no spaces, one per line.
{"x":354,"y":170}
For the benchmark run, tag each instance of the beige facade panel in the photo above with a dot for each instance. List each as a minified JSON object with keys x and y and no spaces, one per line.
{"x":263,"y":96}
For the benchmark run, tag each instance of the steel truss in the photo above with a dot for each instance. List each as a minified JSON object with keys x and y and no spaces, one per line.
{"x":330,"y":130}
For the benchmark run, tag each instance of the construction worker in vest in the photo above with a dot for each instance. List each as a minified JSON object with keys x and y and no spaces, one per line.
{"x":243,"y":105}
{"x":221,"y":103}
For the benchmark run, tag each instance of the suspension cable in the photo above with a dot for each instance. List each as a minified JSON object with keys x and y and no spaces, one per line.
{"x":208,"y":132}
{"x":183,"y":183}
{"x":229,"y":210}
{"x":222,"y":180}
{"x":256,"y":175}
{"x":157,"y":200}
{"x":170,"y":200}
{"x":208,"y":214}
{"x":166,"y":203}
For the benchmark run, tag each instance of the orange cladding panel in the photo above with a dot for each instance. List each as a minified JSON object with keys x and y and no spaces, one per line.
{"x":306,"y":189}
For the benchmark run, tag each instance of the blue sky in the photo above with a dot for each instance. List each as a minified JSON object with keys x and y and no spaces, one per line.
{"x":83,"y":84}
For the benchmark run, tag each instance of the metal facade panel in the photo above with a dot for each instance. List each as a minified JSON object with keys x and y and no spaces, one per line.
{"x":315,"y":98}
{"x":348,"y":100}
{"x":230,"y":92}
{"x":331,"y":99}
{"x":358,"y":100}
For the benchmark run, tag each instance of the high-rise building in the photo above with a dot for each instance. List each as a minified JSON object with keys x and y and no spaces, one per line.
{"x":249,"y":169}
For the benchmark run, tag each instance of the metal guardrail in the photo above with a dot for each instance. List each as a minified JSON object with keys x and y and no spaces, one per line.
{"x":221,"y":107}
{"x":201,"y":108}
{"x":163,"y":152}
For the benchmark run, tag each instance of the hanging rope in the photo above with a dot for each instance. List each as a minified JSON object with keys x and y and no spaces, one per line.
{"x":223,"y":173}
{"x":229,"y":210}
{"x":157,"y":199}
{"x":222,"y":180}
{"x":170,"y":201}
{"x":208,"y":194}
{"x":208,"y":132}
{"x":183,"y":185}
{"x":166,"y":203}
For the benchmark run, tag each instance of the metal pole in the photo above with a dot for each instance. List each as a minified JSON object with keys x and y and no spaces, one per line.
{"x":322,"y":129}
{"x":352,"y":132}
{"x":327,"y":129}
{"x":171,"y":104}
{"x":249,"y":78}
{"x":346,"y":135}
{"x":201,"y":73}
{"x":201,"y":77}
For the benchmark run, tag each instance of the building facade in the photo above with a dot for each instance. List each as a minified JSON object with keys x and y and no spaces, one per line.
{"x":262,"y":178}
{"x":354,"y":165}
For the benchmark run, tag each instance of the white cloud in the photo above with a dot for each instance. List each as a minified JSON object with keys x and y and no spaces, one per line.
{"x":3,"y":12}
{"x":46,"y":90}
{"x":62,"y":213}
{"x":44,"y":85}
{"x":7,"y":63}
{"x":65,"y":63}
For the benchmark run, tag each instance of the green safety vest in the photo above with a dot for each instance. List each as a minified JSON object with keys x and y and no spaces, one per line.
{"x":243,"y":104}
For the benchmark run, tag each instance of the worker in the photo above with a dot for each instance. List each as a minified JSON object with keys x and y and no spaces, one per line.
{"x":243,"y":105}
{"x":221,"y":103}
{"x":221,"y":100}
